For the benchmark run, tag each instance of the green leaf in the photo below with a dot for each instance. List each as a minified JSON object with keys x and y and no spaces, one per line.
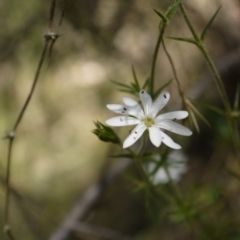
{"x":237,"y":98}
{"x":146,"y":83}
{"x":161,"y":88}
{"x":215,"y":109}
{"x":164,"y":19}
{"x":233,"y":174}
{"x":135,"y":78}
{"x":198,"y":114}
{"x":172,"y":10}
{"x":189,"y":40}
{"x":194,"y":120}
{"x":119,"y":83}
{"x":132,"y":88}
{"x":209,"y":24}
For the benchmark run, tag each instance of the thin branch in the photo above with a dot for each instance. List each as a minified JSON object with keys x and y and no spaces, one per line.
{"x":154,"y":60}
{"x":173,"y":68}
{"x":57,"y":35}
{"x":62,"y":16}
{"x":49,"y":37}
{"x":51,"y":15}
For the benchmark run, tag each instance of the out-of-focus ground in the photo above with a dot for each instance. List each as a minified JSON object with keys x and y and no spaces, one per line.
{"x":56,"y":156}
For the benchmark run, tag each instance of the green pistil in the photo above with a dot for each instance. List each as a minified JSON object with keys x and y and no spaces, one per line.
{"x":148,"y":122}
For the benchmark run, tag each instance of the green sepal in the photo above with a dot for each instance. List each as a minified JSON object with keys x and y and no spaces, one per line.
{"x":204,"y":32}
{"x":164,"y":19}
{"x":172,"y":10}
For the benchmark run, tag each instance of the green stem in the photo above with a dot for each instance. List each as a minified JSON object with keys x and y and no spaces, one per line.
{"x":173,"y":69}
{"x":184,"y":13}
{"x":217,"y":78}
{"x":218,"y":81}
{"x":160,"y":37}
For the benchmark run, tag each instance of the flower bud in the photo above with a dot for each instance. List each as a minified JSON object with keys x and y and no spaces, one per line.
{"x":105,"y":133}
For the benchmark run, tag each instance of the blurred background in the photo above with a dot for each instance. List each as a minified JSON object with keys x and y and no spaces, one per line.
{"x":56,"y":158}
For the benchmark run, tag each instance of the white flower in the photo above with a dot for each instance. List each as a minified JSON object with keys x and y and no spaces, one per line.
{"x":147,"y":118}
{"x":175,"y":165}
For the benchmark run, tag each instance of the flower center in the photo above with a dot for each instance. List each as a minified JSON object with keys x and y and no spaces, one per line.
{"x":148,"y":121}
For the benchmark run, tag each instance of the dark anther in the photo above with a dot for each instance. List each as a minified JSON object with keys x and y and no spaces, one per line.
{"x":124,"y":109}
{"x":164,"y":96}
{"x":174,"y":119}
{"x":136,"y":132}
{"x":142,"y":92}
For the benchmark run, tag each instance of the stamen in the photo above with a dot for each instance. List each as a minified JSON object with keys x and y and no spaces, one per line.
{"x":148,"y":122}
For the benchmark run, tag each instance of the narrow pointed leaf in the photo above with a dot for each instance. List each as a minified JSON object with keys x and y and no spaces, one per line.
{"x":204,"y":32}
{"x":215,"y":109}
{"x":194,"y":120}
{"x":146,"y":83}
{"x":172,"y":10}
{"x":237,"y":98}
{"x":120,"y":84}
{"x":198,"y":114}
{"x":162,"y":87}
{"x":135,"y":78}
{"x":233,"y":174}
{"x":164,"y":19}
{"x":189,"y":40}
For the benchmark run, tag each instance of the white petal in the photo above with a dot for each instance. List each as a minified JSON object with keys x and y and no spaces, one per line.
{"x":114,"y":107}
{"x":146,"y":101}
{"x":122,"y":121}
{"x":177,"y":115}
{"x":174,"y":127}
{"x":129,"y":101}
{"x":135,"y":134}
{"x":132,"y":103}
{"x":169,"y":142}
{"x":155,"y":136}
{"x":159,"y":103}
{"x":133,"y":111}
